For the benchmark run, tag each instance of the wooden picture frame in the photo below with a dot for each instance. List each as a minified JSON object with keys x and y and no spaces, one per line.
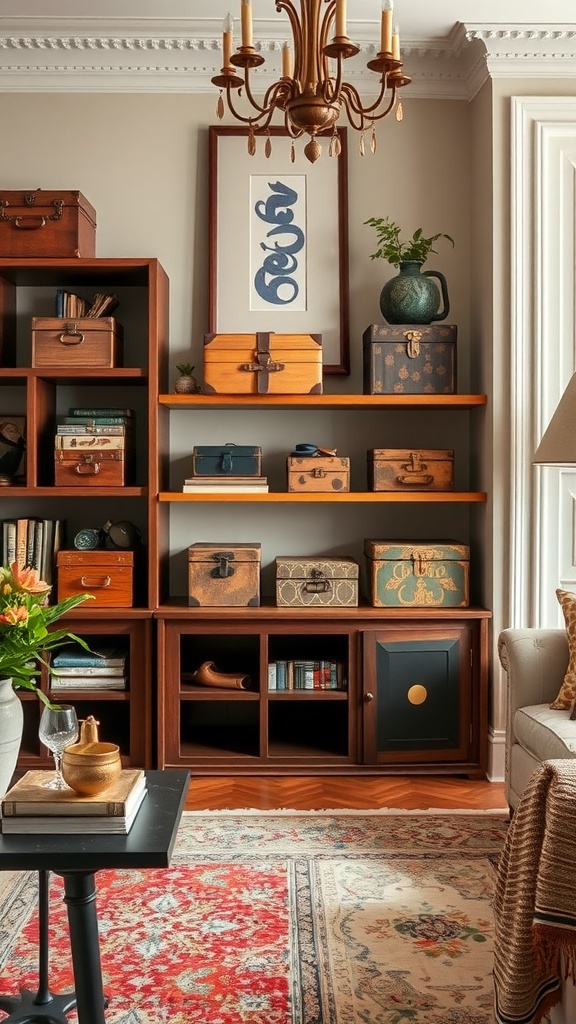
{"x":301,"y":287}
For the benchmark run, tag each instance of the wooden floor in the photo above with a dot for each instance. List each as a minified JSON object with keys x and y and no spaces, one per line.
{"x":302,"y":793}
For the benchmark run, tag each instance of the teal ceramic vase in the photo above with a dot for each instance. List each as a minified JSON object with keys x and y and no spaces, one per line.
{"x":412,"y":297}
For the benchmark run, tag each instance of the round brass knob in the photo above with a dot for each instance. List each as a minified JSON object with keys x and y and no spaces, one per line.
{"x":368,"y":697}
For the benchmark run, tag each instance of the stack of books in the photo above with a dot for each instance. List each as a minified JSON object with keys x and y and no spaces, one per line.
{"x":68,"y":304}
{"x":306,"y":675}
{"x":29,"y":808}
{"x":103,"y":668}
{"x":224,"y":484}
{"x":34,"y":543}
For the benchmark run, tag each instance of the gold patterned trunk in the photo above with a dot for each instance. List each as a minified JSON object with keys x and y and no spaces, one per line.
{"x":409,"y":359}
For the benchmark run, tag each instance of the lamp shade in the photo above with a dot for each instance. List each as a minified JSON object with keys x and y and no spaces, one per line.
{"x":558,"y":446}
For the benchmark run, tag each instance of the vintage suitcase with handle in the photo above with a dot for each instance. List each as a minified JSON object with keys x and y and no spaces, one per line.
{"x":92,"y":469}
{"x":107,"y":575}
{"x":411,"y":469}
{"x":409,"y":359}
{"x":309,"y":582}
{"x":87,"y":342}
{"x":418,"y":574}
{"x":226,"y":460}
{"x":318,"y":473}
{"x":224,"y":575}
{"x":263,"y":364}
{"x":42,"y":224}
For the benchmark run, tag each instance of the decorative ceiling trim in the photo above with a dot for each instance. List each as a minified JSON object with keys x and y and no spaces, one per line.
{"x":182,"y":55}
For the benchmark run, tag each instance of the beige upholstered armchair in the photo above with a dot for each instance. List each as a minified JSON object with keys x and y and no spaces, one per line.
{"x":535,"y":661}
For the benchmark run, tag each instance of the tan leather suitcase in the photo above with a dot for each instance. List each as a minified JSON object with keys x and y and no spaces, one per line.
{"x":224,"y":575}
{"x":107,"y":575}
{"x":85,"y":342}
{"x":411,"y":469}
{"x":91,"y":469}
{"x":43,"y":223}
{"x":318,"y":473}
{"x":263,"y":364}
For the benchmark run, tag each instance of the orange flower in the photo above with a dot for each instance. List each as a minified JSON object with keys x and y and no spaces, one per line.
{"x":15,"y":616}
{"x":28,"y":581}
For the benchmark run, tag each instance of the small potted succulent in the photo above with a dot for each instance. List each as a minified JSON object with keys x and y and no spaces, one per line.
{"x":186,"y":384}
{"x":410,"y":297}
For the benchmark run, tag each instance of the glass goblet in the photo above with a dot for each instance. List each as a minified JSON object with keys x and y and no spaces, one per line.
{"x":58,"y":729}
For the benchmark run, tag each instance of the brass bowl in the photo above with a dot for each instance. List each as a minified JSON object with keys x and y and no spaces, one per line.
{"x":91,"y":768}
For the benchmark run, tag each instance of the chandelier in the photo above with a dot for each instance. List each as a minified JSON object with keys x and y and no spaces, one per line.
{"x":311,"y":92}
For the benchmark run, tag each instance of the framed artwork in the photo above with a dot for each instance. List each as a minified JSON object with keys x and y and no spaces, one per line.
{"x":278,"y":241}
{"x":12,"y":448}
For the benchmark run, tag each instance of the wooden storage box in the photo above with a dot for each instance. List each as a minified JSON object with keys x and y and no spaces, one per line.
{"x":224,"y":575}
{"x":226,"y":460}
{"x":263,"y":364}
{"x":43,"y":224}
{"x":405,"y":469}
{"x":316,"y":581}
{"x":409,"y":359}
{"x":108,"y":575}
{"x":318,"y":473}
{"x":92,"y":469}
{"x":86,"y":342}
{"x":417,"y":575}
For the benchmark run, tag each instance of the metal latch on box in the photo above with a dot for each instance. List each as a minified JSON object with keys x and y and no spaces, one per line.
{"x":264,"y":365}
{"x":224,"y":569}
{"x":413,"y":346}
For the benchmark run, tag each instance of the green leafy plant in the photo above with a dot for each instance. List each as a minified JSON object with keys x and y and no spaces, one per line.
{"x":184,"y":368}
{"x":394,"y":250}
{"x":25,"y":619}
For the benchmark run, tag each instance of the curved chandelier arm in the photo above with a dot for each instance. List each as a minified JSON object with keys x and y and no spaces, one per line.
{"x":297,"y":31}
{"x":240,"y":117}
{"x":353,"y":101}
{"x":331,"y":87}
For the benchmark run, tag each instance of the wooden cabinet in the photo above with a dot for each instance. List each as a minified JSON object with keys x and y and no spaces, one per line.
{"x":43,"y":394}
{"x":359,"y":728}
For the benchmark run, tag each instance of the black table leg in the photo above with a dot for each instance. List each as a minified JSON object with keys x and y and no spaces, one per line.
{"x":42,"y":1005}
{"x":80,"y":900}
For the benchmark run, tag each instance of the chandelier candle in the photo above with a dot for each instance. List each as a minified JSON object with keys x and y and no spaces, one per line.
{"x":386,"y":27}
{"x":246,"y":16}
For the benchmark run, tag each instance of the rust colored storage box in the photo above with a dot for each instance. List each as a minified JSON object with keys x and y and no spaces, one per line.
{"x":88,"y":342}
{"x":107,"y":575}
{"x":326,"y":582}
{"x":410,"y":359}
{"x":42,"y":224}
{"x":405,"y":469}
{"x":224,"y":575}
{"x":263,"y":364}
{"x":406,"y":574}
{"x":318,"y":473}
{"x":92,"y":469}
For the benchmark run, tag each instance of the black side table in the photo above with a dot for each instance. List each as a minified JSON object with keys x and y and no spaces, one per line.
{"x":77,"y":858}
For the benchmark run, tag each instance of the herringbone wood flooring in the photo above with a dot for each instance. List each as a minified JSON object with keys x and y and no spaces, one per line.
{"x":306,"y":793}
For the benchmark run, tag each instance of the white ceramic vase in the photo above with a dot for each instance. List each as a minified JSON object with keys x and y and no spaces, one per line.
{"x":11,"y":724}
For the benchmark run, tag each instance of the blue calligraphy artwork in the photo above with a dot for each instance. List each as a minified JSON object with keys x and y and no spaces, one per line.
{"x":276,"y":279}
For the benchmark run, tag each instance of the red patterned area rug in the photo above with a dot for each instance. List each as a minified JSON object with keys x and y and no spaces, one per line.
{"x":286,"y":918}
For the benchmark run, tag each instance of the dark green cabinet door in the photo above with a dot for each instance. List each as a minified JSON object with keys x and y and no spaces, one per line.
{"x":417,"y":695}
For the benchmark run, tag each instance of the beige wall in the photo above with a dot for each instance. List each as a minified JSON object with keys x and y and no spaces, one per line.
{"x":141,"y":160}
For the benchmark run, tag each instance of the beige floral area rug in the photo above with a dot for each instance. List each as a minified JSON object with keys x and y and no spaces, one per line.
{"x":287,"y":918}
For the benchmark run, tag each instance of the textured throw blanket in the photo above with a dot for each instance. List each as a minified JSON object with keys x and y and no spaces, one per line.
{"x":535,"y":898}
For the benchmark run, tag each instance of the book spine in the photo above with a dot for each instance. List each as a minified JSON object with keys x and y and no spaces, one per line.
{"x":62,"y":660}
{"x":88,"y":670}
{"x":84,"y":428}
{"x":93,"y":441}
{"x":272,"y":676}
{"x":75,"y":411}
{"x":110,"y":421}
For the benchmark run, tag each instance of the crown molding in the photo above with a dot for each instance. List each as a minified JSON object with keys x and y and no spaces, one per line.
{"x":172,"y":55}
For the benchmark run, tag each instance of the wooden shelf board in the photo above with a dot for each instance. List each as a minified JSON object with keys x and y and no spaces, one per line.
{"x":197,"y":693}
{"x":178,"y":609}
{"x":61,"y":375}
{"x":74,"y":492}
{"x":307,"y":695}
{"x":300,"y":498}
{"x":347,"y":401}
{"x":81,"y":693}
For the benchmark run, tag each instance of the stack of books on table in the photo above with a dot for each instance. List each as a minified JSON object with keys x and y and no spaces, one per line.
{"x":224,"y":484}
{"x":102,"y":668}
{"x":30,"y":808}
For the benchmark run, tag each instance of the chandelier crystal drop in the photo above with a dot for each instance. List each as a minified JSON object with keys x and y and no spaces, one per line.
{"x":311,"y":93}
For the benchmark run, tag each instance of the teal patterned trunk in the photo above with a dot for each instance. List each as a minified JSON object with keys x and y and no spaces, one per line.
{"x":417,"y":575}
